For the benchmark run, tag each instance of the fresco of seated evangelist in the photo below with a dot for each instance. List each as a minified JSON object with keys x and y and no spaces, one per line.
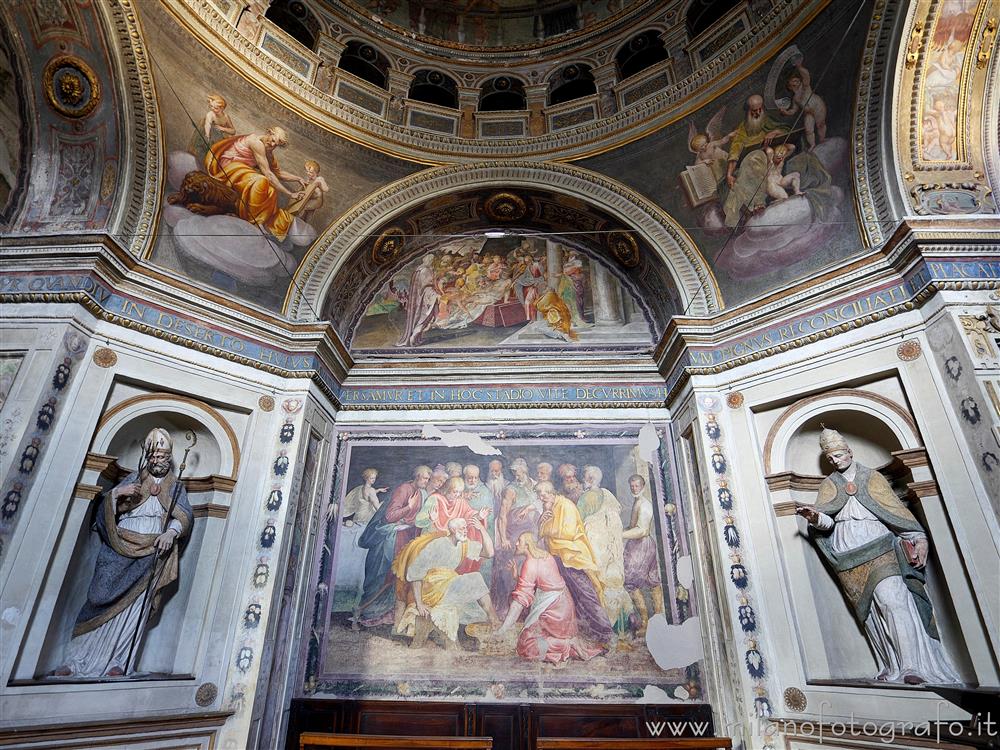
{"x":10,"y":128}
{"x":549,"y":569}
{"x":506,"y":293}
{"x":249,"y":184}
{"x":760,"y":177}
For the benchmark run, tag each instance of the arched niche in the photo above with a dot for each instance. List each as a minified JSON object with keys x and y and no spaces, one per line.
{"x":675,"y":260}
{"x":173,"y":635}
{"x":123,"y":428}
{"x":874,"y":425}
{"x":882,"y":435}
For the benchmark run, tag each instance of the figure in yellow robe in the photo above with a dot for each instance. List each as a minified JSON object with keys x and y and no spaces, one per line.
{"x":247,"y":164}
{"x":564,"y":536}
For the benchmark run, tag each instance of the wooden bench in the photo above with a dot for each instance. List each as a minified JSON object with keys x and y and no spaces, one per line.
{"x":392,"y":742}
{"x":655,"y":743}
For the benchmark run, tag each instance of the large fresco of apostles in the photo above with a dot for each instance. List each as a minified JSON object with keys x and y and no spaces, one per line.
{"x":543,"y":557}
{"x":473,"y":292}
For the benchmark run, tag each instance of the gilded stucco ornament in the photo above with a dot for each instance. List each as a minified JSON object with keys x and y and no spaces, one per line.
{"x":71,"y":86}
{"x":795,"y":699}
{"x":986,"y":45}
{"x":387,"y":246}
{"x":104,"y":357}
{"x":908,"y":350}
{"x":624,"y":248}
{"x":266,"y":403}
{"x":947,"y":198}
{"x":206,"y":694}
{"x":505,"y":207}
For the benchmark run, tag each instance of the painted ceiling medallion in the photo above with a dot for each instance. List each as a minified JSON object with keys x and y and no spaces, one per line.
{"x":387,"y":246}
{"x":505,"y":207}
{"x":71,"y":86}
{"x":624,"y":248}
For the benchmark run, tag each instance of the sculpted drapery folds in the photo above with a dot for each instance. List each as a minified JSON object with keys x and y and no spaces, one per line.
{"x":877,"y":550}
{"x":138,"y":543}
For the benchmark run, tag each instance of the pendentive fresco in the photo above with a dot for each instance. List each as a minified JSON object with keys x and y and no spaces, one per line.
{"x":760,"y":177}
{"x":249,"y":185}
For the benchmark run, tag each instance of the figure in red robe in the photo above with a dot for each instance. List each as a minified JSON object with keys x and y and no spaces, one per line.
{"x":550,"y":631}
{"x":442,"y":506}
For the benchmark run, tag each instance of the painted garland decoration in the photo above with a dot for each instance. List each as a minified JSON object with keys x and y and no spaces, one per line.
{"x":20,"y":478}
{"x":245,"y":656}
{"x":738,"y":573}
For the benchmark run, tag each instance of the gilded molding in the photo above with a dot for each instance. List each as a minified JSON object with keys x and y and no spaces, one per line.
{"x":137,"y":207}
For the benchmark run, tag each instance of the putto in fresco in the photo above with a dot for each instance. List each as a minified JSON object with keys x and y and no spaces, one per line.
{"x":877,"y":550}
{"x":767,"y":180}
{"x":233,"y":206}
{"x":138,"y":558}
{"x":528,"y":566}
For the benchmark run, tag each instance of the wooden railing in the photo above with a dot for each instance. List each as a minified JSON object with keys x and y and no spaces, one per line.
{"x":597,"y":743}
{"x":389,"y":742}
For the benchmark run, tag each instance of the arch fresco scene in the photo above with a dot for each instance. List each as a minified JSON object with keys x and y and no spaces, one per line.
{"x":476,"y":293}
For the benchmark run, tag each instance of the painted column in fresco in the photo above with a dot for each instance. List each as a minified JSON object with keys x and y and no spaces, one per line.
{"x":607,"y":297}
{"x":553,"y":260}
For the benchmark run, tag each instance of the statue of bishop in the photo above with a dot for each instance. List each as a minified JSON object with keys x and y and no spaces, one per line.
{"x":877,"y":550}
{"x":138,"y":544}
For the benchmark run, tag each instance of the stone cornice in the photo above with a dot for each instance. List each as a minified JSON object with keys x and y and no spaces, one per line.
{"x":920,"y":258}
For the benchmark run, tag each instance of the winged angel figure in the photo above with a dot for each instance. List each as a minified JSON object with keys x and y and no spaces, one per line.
{"x":707,"y":146}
